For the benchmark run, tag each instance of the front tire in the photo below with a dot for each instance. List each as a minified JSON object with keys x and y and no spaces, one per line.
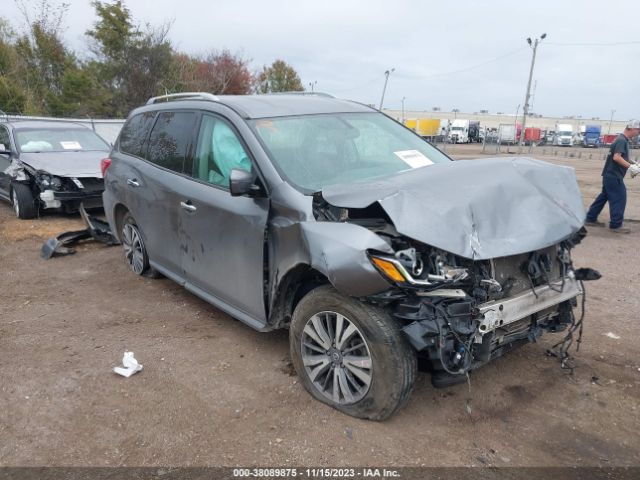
{"x":24,"y":205}
{"x":351,"y":355}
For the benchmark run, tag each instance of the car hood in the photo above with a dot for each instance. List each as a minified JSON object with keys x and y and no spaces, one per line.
{"x":478,"y":209}
{"x":66,"y":164}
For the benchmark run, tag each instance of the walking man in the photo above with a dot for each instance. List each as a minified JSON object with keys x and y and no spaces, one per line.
{"x":613,"y":189}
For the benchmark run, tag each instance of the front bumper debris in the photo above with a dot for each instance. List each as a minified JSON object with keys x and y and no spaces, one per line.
{"x":63,"y":244}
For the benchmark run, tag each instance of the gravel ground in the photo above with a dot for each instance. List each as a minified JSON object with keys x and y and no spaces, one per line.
{"x":215,"y":392}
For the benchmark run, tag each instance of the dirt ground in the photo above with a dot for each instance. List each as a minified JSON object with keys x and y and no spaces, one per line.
{"x":215,"y":392}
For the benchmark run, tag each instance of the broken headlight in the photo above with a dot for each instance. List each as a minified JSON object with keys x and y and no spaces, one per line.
{"x":408,"y":267}
{"x":47,"y":181}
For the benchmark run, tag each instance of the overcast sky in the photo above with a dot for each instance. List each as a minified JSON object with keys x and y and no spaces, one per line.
{"x":469,"y":55}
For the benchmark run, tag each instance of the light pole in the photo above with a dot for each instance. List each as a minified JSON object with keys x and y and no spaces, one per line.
{"x":611,"y":120}
{"x":403,"y":99}
{"x":386,"y":79}
{"x":515,"y":127}
{"x":525,"y":110}
{"x":313,"y":84}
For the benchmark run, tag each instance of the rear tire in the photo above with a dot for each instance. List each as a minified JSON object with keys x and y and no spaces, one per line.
{"x":351,"y":355}
{"x":135,"y":253}
{"x":24,"y":205}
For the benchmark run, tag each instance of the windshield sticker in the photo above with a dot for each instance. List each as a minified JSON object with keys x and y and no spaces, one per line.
{"x":413,"y":158}
{"x":71,"y":145}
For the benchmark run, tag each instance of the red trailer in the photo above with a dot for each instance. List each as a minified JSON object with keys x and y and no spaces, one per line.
{"x":607,"y":140}
{"x":532,"y":135}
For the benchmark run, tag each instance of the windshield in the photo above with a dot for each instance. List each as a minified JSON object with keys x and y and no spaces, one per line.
{"x":313,"y":151}
{"x":564,"y":134}
{"x":58,"y":140}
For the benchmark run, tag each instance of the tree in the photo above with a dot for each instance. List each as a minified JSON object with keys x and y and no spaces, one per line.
{"x":41,"y":58}
{"x":221,"y":73}
{"x":133,"y":64}
{"x":279,"y":77}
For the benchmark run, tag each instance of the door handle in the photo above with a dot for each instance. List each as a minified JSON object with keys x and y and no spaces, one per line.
{"x":133,"y":182}
{"x":188,"y":207}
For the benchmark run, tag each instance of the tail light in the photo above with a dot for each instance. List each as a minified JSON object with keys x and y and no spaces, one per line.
{"x":104,"y":164}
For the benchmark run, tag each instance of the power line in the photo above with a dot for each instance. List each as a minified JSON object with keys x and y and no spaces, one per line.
{"x":377,"y":78}
{"x":613,"y":44}
{"x":453,"y":72}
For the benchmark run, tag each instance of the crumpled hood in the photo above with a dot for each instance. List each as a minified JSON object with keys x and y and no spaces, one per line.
{"x":478,"y":209}
{"x":67,"y":164}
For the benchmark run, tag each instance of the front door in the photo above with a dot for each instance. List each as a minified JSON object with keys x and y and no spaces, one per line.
{"x":223,"y":242}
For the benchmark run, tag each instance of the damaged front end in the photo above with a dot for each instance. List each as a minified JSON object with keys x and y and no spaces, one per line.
{"x":460,"y":314}
{"x":56,"y":192}
{"x":461,"y":310}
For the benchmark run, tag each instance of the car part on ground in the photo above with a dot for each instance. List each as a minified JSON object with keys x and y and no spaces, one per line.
{"x":62,"y":244}
{"x":326,"y":217}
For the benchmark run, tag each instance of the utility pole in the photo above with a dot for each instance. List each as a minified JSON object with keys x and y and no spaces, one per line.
{"x":386,"y":79}
{"x":403,"y":98}
{"x":525,"y":110}
{"x":611,"y":120}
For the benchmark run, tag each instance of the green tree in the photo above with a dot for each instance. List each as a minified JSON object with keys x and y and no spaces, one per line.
{"x":132,"y":64}
{"x":40,"y":57}
{"x":278,"y":77}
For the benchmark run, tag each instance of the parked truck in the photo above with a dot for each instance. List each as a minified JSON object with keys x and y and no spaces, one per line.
{"x":509,"y":133}
{"x":443,"y":133}
{"x":608,"y":139}
{"x":532,"y":135}
{"x":411,"y":123}
{"x":459,"y":132}
{"x":427,"y":127}
{"x":592,"y":136}
{"x":474,"y":132}
{"x":564,"y":135}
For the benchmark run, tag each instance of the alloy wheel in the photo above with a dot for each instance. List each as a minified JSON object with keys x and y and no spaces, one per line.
{"x":16,"y":204}
{"x":336,"y":357}
{"x":133,"y":248}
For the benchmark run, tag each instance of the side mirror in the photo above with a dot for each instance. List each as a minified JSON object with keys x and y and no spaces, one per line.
{"x":242,"y":182}
{"x":4,"y":150}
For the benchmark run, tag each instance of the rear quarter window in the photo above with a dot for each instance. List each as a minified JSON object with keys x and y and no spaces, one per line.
{"x":134,"y":134}
{"x":170,"y":140}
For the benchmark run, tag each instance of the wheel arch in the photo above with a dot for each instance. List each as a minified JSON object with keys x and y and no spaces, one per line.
{"x":119,"y":211}
{"x":294,"y":285}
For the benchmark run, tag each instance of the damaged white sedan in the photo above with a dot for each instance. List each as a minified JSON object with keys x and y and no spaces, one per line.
{"x":50,"y":165}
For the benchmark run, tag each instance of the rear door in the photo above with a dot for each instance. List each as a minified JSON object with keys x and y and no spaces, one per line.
{"x":223,"y":249}
{"x":152,"y":170}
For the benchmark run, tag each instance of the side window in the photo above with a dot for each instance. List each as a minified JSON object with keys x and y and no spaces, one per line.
{"x":218,"y":152}
{"x":4,"y":138}
{"x":134,"y":133}
{"x":170,"y":140}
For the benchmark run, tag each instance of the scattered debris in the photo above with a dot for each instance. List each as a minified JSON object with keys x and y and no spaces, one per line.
{"x":130,"y":365}
{"x":62,"y":244}
{"x":612,"y":335}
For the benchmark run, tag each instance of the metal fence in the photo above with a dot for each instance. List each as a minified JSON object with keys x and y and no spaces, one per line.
{"x":495,"y":148}
{"x":106,"y":128}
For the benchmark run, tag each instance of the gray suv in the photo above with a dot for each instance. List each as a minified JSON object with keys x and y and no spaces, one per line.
{"x":329,"y":218}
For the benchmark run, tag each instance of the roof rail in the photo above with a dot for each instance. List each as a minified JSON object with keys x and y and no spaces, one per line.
{"x":319,"y":94}
{"x":183,"y":96}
